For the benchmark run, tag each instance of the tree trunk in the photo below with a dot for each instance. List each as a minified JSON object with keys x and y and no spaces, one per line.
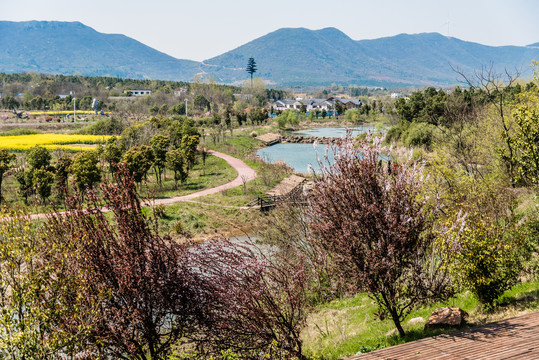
{"x":397,"y":322}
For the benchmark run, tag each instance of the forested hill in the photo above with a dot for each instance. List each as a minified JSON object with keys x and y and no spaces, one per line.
{"x":290,"y":56}
{"x":73,"y":48}
{"x":329,"y":55}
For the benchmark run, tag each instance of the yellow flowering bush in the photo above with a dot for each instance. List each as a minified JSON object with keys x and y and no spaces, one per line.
{"x":486,"y":255}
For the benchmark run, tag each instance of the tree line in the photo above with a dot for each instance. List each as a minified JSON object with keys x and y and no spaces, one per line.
{"x":157,"y":144}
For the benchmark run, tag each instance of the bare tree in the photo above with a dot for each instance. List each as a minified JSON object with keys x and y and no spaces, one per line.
{"x":138,"y":294}
{"x":244,"y":180}
{"x":494,"y":86}
{"x":287,"y":230}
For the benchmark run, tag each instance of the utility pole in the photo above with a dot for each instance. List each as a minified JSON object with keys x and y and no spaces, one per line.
{"x":185,"y":106}
{"x":74,"y":112}
{"x":447,"y":23}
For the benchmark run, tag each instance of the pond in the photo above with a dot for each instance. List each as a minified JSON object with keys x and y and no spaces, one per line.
{"x":299,"y":156}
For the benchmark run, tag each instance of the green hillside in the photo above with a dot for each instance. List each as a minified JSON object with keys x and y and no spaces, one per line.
{"x":328,"y":55}
{"x":73,"y":48}
{"x":289,"y":56}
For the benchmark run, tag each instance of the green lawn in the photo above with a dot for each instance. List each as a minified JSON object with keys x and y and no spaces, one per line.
{"x":216,"y":172}
{"x":349,"y":326}
{"x":223,"y":213}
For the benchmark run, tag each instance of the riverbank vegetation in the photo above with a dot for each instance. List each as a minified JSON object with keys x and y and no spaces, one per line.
{"x":441,"y":211}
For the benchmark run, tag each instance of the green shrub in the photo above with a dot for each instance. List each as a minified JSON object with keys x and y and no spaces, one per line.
{"x":106,"y":126}
{"x":179,"y":228}
{"x":18,"y":132}
{"x":418,"y":134}
{"x":487,"y":256}
{"x":352,"y":115}
{"x":160,"y":211}
{"x":395,"y":132}
{"x":281,"y":122}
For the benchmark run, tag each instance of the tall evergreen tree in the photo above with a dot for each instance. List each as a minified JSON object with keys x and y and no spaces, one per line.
{"x":251,"y":68}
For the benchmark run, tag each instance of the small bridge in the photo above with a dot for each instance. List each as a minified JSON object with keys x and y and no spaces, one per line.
{"x":288,"y":189}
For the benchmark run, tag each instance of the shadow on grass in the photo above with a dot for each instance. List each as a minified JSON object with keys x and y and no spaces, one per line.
{"x":213,"y":173}
{"x":471,"y":331}
{"x":524,"y":302}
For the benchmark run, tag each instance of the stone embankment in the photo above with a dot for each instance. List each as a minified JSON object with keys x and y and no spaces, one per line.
{"x":307,"y":140}
{"x":270,"y":139}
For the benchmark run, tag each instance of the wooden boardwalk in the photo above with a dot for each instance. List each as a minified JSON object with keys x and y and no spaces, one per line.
{"x":287,"y":186}
{"x":269,"y":139}
{"x":515,"y":338}
{"x":288,"y":189}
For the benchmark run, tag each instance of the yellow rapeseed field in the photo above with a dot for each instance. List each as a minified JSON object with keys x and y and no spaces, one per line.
{"x":51,"y":141}
{"x":60,"y":112}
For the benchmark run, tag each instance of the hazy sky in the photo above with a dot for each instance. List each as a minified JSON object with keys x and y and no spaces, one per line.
{"x":202,"y":29}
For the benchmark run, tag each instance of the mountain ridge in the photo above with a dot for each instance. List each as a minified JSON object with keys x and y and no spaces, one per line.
{"x":286,"y":56}
{"x":71,"y":47}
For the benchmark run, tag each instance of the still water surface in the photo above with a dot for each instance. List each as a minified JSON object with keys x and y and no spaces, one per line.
{"x":299,"y":156}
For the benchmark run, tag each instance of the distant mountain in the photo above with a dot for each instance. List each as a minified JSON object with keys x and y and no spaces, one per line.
{"x":71,"y":47}
{"x":296,"y":56}
{"x":290,"y":56}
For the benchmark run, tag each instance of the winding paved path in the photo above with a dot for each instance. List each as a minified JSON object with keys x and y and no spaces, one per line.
{"x":245,"y":174}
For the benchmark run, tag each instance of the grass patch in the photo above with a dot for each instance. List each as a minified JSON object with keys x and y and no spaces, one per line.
{"x":206,"y":219}
{"x":19,"y":131}
{"x":215,"y":173}
{"x":240,"y":144}
{"x":223,"y":213}
{"x":349,"y":326}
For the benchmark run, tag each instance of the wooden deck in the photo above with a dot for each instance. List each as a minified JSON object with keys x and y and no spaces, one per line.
{"x":289,"y":184}
{"x":287,"y":190}
{"x":515,"y":338}
{"x":269,"y":139}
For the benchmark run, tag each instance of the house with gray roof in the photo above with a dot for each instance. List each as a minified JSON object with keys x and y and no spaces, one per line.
{"x":316,"y":104}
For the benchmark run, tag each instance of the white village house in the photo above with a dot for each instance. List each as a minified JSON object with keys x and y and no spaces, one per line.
{"x":139,"y":92}
{"x":316,"y":104}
